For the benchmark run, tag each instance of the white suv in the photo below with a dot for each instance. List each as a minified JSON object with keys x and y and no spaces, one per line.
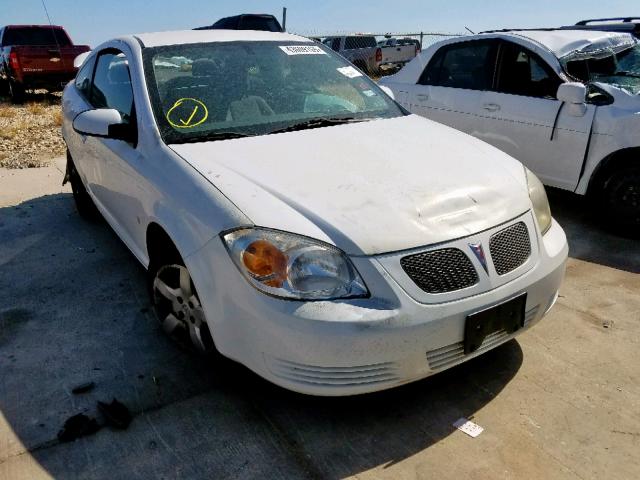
{"x":563,"y":102}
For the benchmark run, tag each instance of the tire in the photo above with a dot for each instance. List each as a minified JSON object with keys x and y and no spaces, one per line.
{"x":177,"y":305}
{"x":620,"y":199}
{"x":4,"y":88}
{"x":16,"y":92}
{"x":84,"y":204}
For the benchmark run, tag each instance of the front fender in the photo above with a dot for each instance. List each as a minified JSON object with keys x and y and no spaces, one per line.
{"x":189,"y":208}
{"x":616,"y":131}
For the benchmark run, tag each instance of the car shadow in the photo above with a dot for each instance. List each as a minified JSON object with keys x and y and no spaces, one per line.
{"x":344,"y":436}
{"x":592,"y":240}
{"x":73,"y":309}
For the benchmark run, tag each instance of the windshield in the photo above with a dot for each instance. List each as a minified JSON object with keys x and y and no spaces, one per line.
{"x":34,"y":36}
{"x":206,"y":91}
{"x":621,"y":69}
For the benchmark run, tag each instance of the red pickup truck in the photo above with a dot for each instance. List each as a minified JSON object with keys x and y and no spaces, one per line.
{"x":36,"y":56}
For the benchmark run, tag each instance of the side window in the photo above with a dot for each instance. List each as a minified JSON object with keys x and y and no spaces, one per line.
{"x":522,"y":72}
{"x":112,"y":85}
{"x":468,"y":65}
{"x":335,"y":44}
{"x":225,"y":24}
{"x":83,"y":78}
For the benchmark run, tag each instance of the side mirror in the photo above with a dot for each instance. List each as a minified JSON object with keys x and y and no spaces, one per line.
{"x":572,"y":92}
{"x":104,"y":123}
{"x":574,"y":95}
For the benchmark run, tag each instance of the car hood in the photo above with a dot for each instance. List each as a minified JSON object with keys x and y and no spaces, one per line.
{"x":370,"y":187}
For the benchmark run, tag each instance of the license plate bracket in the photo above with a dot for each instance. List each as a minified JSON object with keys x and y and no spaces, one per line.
{"x":507,"y":316}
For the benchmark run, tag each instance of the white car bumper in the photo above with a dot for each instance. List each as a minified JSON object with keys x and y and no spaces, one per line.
{"x":356,"y":346}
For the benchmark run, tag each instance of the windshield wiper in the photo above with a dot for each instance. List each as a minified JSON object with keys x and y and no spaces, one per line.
{"x":317,"y":123}
{"x":211,"y":137}
{"x":313,"y":123}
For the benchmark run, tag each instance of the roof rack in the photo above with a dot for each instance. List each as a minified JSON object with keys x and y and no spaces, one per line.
{"x":614,"y":19}
{"x":507,"y":30}
{"x":622,"y":27}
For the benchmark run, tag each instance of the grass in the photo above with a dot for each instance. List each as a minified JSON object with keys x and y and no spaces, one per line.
{"x":36,"y":108}
{"x":12,"y":131}
{"x":7,"y":111}
{"x":9,"y":132}
{"x":57,"y":118}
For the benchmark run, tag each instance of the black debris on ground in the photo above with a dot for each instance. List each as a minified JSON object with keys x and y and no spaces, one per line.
{"x":115,"y":413}
{"x":83,"y":388}
{"x":78,"y":426}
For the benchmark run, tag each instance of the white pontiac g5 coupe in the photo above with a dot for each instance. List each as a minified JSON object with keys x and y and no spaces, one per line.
{"x":294,"y":217}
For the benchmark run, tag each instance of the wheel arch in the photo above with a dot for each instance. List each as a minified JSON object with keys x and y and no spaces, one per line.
{"x":612,"y":162}
{"x":160,"y":244}
{"x":162,"y":249}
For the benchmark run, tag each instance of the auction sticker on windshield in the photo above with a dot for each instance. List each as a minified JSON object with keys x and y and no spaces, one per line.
{"x":349,"y":72}
{"x":302,"y":50}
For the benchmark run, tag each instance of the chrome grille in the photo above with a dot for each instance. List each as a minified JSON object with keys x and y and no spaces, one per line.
{"x":344,"y":376}
{"x":510,"y":248}
{"x":440,"y":271}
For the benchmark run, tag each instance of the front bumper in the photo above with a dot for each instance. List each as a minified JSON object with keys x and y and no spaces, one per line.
{"x":356,"y":346}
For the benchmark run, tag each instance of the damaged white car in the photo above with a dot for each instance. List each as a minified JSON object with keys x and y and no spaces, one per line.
{"x":563,"y":102}
{"x":294,"y":217}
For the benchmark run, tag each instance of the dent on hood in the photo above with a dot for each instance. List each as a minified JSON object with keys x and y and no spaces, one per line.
{"x":368,"y":197}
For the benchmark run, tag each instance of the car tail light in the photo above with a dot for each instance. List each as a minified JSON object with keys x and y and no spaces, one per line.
{"x":13,"y":60}
{"x":378,"y":55}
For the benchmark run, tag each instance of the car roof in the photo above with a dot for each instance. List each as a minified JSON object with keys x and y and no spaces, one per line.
{"x":157,"y":39}
{"x":564,"y":42}
{"x":58,"y":27}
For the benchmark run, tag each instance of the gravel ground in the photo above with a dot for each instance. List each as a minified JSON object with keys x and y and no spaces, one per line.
{"x":30,"y":133}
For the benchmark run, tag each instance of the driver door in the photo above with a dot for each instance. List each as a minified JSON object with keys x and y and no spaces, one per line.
{"x":524,"y":119}
{"x":118,"y":186}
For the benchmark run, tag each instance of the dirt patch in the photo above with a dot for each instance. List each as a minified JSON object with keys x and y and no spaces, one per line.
{"x":30,"y":133}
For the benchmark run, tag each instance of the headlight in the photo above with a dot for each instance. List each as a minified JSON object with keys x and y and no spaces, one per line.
{"x":540,"y":202}
{"x":292,"y":266}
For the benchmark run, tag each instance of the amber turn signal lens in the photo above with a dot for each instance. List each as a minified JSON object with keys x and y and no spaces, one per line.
{"x":265,"y":261}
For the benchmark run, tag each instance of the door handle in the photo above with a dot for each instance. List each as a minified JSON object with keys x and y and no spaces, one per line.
{"x":422,"y":96}
{"x":492,"y":107}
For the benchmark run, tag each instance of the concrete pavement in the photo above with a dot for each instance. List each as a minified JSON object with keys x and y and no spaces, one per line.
{"x":561,"y":402}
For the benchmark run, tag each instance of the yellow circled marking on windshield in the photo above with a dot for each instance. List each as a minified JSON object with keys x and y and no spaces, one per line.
{"x":188,"y":105}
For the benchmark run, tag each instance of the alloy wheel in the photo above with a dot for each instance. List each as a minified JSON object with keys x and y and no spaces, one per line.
{"x":178,"y":307}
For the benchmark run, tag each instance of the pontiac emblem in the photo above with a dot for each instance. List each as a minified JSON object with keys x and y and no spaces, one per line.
{"x":478,"y":251}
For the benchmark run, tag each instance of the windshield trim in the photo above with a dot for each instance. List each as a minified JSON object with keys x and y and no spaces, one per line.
{"x":170,"y":136}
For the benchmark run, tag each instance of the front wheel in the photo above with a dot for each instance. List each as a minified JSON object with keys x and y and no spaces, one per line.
{"x":621,"y":199}
{"x":177,"y":306}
